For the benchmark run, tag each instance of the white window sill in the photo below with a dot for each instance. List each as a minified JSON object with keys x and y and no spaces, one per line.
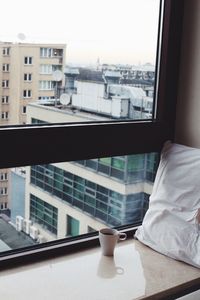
{"x":135,"y":272}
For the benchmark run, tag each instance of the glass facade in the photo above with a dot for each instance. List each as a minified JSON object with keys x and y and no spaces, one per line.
{"x":44,"y":214}
{"x":128,"y":169}
{"x":105,"y":204}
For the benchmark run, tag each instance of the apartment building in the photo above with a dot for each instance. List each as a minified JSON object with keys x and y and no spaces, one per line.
{"x":25,"y":75}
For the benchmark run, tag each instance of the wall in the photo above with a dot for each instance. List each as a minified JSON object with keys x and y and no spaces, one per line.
{"x":188,"y":112}
{"x":17,"y":195}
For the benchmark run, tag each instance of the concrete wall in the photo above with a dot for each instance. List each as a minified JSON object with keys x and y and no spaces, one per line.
{"x":188,"y":112}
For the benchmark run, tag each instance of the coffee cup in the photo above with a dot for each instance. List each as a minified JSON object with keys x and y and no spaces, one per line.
{"x":108,"y":239}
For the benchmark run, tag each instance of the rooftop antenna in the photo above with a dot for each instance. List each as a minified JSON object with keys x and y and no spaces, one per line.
{"x":65,"y":99}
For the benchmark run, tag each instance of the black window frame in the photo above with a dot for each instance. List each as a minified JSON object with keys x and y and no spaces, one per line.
{"x":49,"y":143}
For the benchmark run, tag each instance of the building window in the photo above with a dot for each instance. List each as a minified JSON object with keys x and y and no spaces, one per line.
{"x":4,"y":115}
{"x":72,"y":226}
{"x":43,"y":213}
{"x":46,"y":52}
{"x":27,"y":77}
{"x":24,"y":109}
{"x":58,"y":143}
{"x":46,"y":85}
{"x":3,"y":191}
{"x":5,"y":67}
{"x":5,"y":83}
{"x":27,"y":93}
{"x":50,"y":52}
{"x":46,"y":98}
{"x":5,"y":99}
{"x":46,"y":69}
{"x":28,"y":60}
{"x":3,"y":176}
{"x":3,"y":206}
{"x":6,"y":51}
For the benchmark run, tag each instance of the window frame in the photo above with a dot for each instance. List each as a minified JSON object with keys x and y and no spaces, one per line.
{"x":5,"y":67}
{"x":6,"y":51}
{"x":27,"y":94}
{"x":3,"y":176}
{"x":101,"y":139}
{"x":28,"y":60}
{"x":4,"y":115}
{"x":27,"y":77}
{"x":5,"y":84}
{"x":24,"y":109}
{"x":5,"y":99}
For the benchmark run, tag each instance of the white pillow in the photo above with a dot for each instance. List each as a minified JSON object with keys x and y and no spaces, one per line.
{"x":170,"y":225}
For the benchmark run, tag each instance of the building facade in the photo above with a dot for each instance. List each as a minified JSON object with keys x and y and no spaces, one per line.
{"x":26,"y":74}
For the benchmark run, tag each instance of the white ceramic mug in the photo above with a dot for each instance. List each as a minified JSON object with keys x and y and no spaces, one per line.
{"x":108,"y":239}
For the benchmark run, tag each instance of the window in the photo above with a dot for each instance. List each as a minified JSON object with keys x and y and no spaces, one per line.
{"x":6,"y":51}
{"x":27,"y":93}
{"x":72,"y":226}
{"x":46,"y":85}
{"x":97,"y":144}
{"x":45,"y":98}
{"x":3,"y":176}
{"x":5,"y":115}
{"x":46,"y":52}
{"x":3,"y":206}
{"x":24,"y":109}
{"x":45,"y":214}
{"x":50,"y":52}
{"x":27,"y":77}
{"x":28,"y":60}
{"x":3,"y":191}
{"x":46,"y":69}
{"x":5,"y":83}
{"x":5,"y":67}
{"x":5,"y":99}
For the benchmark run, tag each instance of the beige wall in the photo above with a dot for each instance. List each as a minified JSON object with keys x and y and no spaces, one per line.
{"x":188,"y":113}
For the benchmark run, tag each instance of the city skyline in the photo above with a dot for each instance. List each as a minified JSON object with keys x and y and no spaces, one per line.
{"x":112,"y":31}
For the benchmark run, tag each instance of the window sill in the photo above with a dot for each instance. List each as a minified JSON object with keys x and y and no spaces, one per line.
{"x":134,"y":272}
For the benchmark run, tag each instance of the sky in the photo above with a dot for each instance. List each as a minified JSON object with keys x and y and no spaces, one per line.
{"x":115,"y":31}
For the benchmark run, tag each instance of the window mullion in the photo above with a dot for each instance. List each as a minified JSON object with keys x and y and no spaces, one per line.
{"x":45,"y":144}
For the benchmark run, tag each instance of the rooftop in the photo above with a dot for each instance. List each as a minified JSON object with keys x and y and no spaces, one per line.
{"x":10,"y":238}
{"x":90,"y":75}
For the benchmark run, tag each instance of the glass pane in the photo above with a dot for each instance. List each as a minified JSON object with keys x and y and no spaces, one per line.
{"x":46,"y":202}
{"x":101,"y":67}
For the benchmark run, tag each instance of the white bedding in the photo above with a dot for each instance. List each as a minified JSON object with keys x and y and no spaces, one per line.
{"x":171,"y":224}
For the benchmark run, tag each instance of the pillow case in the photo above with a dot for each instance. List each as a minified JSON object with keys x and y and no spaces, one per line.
{"x":171,"y":224}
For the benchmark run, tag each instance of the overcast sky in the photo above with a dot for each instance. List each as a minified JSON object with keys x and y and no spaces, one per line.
{"x":115,"y":31}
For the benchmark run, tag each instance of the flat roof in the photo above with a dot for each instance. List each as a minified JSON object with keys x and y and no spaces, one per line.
{"x":10,"y":238}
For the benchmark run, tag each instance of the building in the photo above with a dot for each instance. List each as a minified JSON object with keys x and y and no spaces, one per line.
{"x":17,"y":193}
{"x":26,"y":74}
{"x":103,"y":93}
{"x":72,"y":198}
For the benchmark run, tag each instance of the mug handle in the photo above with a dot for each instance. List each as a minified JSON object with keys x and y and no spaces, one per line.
{"x":122,"y":236}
